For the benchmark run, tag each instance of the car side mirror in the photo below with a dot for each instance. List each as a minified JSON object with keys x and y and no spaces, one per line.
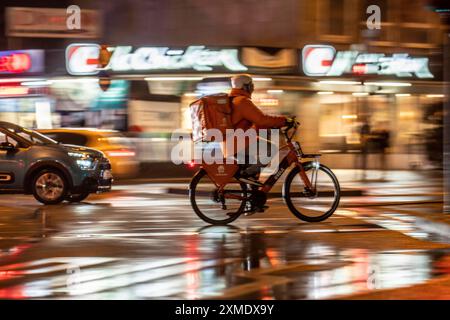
{"x":7,"y":146}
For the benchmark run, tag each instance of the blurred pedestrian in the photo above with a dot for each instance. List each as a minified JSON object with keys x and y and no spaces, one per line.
{"x":364,"y":137}
{"x":382,"y":142}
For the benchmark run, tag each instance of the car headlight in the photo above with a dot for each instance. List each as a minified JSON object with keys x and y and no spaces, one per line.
{"x":83,"y":160}
{"x":84,"y":163}
{"x":77,"y":154}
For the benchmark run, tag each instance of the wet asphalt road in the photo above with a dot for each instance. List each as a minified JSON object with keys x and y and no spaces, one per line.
{"x":138,"y":243}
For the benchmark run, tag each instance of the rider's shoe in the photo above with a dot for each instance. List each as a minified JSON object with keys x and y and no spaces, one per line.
{"x":254,"y":209}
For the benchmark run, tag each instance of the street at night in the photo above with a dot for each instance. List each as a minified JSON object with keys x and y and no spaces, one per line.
{"x":143,"y":241}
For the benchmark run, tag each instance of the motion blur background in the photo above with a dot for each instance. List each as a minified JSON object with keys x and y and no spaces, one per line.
{"x":348,"y":115}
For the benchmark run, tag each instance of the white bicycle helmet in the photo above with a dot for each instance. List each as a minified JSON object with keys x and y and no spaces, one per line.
{"x":240,"y":81}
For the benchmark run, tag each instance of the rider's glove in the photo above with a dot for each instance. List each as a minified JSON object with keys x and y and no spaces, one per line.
{"x":289,"y":122}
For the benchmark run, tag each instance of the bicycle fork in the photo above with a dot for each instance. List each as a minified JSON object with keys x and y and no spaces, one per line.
{"x":310,"y":184}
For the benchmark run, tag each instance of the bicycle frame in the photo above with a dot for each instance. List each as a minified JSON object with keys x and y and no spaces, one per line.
{"x":221,"y":175}
{"x":292,"y":157}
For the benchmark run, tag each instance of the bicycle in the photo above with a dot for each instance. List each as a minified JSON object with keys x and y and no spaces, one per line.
{"x":219,"y":194}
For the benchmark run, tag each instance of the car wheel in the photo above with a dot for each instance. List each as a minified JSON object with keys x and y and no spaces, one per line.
{"x":49,"y":186}
{"x":77,"y":197}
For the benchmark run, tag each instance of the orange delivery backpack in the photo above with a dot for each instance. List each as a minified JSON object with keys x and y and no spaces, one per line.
{"x":210,"y":112}
{"x":213,"y":112}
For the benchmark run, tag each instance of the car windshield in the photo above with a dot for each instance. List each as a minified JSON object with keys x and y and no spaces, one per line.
{"x":32,"y":136}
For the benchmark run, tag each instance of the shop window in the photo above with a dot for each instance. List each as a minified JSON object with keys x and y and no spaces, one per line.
{"x":415,"y":35}
{"x":336,"y":125}
{"x":384,"y":8}
{"x":335,"y":20}
{"x":415,"y":27}
{"x":417,"y":23}
{"x":416,"y":12}
{"x":387,"y":31}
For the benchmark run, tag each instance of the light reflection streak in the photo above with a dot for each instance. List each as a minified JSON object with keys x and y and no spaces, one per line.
{"x":370,"y":271}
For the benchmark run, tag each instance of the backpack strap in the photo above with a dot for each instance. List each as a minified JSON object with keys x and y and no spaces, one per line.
{"x":230,"y":98}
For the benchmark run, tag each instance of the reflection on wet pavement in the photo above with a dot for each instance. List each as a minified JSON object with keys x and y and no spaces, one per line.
{"x":153,"y":247}
{"x":316,"y":272}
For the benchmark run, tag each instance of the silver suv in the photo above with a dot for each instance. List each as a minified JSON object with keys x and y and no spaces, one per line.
{"x":32,"y":163}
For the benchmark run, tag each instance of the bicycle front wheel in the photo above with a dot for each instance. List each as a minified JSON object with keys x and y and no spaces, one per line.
{"x":308,"y":206}
{"x":209,"y":206}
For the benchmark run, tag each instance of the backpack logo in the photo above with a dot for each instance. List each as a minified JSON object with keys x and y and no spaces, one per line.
{"x":220,"y":170}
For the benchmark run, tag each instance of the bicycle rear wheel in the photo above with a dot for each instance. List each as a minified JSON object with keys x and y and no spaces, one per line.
{"x":207,"y":204}
{"x":305,"y":205}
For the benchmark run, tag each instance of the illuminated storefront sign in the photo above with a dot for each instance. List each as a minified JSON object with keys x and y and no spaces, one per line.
{"x":322,"y":60}
{"x":13,"y":91}
{"x":198,"y":58}
{"x":317,"y":59}
{"x":82,"y":59}
{"x":50,"y":23}
{"x":21,"y":61}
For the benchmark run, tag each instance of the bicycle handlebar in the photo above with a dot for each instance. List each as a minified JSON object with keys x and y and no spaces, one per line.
{"x":293,"y":125}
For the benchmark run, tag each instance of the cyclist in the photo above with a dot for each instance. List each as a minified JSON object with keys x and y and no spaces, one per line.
{"x":245,"y":114}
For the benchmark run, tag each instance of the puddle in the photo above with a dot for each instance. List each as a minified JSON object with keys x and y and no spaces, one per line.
{"x":227,"y":262}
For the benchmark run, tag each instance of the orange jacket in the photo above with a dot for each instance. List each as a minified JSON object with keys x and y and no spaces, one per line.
{"x":245,"y":114}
